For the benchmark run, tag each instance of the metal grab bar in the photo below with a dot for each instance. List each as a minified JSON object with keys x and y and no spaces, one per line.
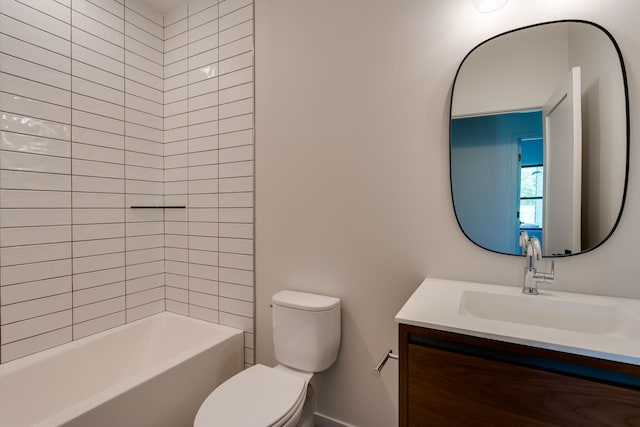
{"x":375,"y":372}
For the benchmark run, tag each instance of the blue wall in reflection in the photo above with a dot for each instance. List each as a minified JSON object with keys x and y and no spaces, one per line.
{"x":485,"y":174}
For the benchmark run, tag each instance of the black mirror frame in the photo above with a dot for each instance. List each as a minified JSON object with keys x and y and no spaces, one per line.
{"x":627,"y":133}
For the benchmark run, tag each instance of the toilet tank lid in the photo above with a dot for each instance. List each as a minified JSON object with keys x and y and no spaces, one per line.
{"x":305,"y":301}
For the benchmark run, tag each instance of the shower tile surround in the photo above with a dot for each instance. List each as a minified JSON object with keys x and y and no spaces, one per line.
{"x":107,"y":104}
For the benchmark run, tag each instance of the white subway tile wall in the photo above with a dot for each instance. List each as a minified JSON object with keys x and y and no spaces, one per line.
{"x":106,"y":104}
{"x":35,"y":178}
{"x":98,"y":168}
{"x":209,"y":163}
{"x":144,"y":124}
{"x":176,"y":185}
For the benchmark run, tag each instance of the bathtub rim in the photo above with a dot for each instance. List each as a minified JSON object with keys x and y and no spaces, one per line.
{"x":144,"y":375}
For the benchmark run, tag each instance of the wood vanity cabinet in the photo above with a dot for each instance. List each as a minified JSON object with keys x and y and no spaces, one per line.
{"x":449,"y":379}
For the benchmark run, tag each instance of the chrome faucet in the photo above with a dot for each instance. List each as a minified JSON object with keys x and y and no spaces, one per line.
{"x":531,"y":249}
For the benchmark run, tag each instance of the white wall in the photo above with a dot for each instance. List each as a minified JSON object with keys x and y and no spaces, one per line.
{"x":603,"y":130}
{"x":352,"y":160}
{"x":512,"y":73}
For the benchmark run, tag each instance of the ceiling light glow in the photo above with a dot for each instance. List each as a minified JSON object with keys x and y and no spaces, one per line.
{"x":486,"y":6}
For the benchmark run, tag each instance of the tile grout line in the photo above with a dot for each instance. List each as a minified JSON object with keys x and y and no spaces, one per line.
{"x":124,"y":172}
{"x":71,"y":165}
{"x":217,"y":39}
{"x":164,"y":195}
{"x":188,"y":169}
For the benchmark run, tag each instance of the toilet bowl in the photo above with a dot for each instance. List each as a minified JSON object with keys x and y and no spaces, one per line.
{"x":306,"y":332}
{"x":258,"y":397}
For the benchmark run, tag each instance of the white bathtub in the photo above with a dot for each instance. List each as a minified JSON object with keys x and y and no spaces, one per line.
{"x":153,"y":372}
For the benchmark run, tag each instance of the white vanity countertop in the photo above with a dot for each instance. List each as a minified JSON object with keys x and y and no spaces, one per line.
{"x":590,"y":325}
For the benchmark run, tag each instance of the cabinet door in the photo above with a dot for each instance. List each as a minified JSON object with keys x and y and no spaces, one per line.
{"x":445,"y":388}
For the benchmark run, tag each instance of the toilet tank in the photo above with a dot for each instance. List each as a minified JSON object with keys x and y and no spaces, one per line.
{"x":306,"y":330}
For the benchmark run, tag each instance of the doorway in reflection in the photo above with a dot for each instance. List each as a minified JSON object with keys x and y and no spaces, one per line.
{"x":497,"y":177}
{"x":531,"y":187}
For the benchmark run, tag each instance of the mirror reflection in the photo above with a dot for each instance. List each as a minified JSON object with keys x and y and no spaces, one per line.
{"x":539,"y":138}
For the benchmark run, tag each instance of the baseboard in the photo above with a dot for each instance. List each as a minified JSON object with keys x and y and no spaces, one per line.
{"x":326,"y":421}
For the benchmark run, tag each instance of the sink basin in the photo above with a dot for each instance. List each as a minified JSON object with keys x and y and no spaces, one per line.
{"x":547,"y":313}
{"x":591,"y":325}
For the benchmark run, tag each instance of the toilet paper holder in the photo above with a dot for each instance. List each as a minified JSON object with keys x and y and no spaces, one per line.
{"x":375,"y":372}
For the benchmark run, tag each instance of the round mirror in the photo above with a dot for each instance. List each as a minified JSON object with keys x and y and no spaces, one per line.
{"x":539,"y":138}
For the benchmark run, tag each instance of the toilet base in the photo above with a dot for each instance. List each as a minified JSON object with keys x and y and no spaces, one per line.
{"x":309,"y":409}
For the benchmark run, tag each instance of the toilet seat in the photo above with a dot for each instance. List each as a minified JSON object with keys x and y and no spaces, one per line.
{"x":256,"y":397}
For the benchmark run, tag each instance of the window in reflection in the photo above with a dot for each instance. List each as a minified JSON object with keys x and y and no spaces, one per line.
{"x":531,"y":200}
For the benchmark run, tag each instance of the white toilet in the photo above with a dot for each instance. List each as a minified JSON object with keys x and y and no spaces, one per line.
{"x":306,"y":339}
